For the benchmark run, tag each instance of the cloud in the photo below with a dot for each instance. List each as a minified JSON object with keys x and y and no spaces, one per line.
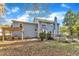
{"x":15,"y":9}
{"x":64,"y":5}
{"x":24,"y":17}
{"x":37,"y":11}
{"x":2,"y":20}
{"x":27,"y":16}
{"x":9,"y":21}
{"x":8,"y":13}
{"x":59,"y":15}
{"x":8,"y":10}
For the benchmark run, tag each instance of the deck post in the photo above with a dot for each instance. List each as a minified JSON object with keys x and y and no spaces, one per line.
{"x":38,"y":29}
{"x":3,"y":35}
{"x":11,"y":35}
{"x":22,"y":34}
{"x":22,"y":31}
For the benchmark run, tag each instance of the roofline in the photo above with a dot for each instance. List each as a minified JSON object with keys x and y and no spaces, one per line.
{"x":44,"y":20}
{"x":24,"y":22}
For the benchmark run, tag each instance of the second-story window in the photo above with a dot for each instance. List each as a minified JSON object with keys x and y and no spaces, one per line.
{"x":44,"y":26}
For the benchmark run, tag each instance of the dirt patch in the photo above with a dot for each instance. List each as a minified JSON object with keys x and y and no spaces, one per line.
{"x":37,"y":48}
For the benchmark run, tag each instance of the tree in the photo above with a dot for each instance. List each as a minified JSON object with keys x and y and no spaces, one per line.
{"x":78,"y":32}
{"x":64,"y":30}
{"x":69,"y":21}
{"x":69,"y":18}
{"x":76,"y":29}
{"x":76,"y":26}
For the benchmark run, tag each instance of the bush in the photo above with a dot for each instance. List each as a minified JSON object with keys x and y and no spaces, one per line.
{"x":49,"y":36}
{"x":66,"y":41}
{"x":42,"y":35}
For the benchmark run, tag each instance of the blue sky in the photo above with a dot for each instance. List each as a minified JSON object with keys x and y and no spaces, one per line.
{"x":20,"y":11}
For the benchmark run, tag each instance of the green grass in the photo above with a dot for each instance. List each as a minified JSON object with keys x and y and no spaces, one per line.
{"x":72,"y":48}
{"x":63,"y":45}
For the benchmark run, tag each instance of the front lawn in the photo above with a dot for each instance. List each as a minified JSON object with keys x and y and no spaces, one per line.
{"x":38,"y":48}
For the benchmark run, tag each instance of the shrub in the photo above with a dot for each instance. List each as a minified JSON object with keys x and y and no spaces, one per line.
{"x":66,"y":41}
{"x":48,"y":36}
{"x":42,"y":35}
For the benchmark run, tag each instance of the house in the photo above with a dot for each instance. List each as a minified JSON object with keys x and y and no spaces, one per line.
{"x":2,"y":9}
{"x":24,"y":29}
{"x":32,"y":29}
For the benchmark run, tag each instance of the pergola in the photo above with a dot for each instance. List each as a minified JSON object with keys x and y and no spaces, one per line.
{"x":11,"y":29}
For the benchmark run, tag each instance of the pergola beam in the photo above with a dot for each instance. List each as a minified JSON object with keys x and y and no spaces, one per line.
{"x":11,"y":29}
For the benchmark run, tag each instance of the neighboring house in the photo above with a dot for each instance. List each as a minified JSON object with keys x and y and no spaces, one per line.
{"x":2,"y":10}
{"x":32,"y":29}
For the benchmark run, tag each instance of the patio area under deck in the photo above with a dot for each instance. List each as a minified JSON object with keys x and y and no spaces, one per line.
{"x":10,"y":29}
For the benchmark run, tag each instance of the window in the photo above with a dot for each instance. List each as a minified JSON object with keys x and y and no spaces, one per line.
{"x":35,"y":29}
{"x":21,"y":25}
{"x":44,"y":26}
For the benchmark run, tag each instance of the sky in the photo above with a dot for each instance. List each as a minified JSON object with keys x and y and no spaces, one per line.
{"x":25,"y":12}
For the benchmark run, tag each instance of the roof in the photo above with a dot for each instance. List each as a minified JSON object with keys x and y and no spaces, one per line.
{"x":24,"y":22}
{"x":40,"y":19}
{"x":45,"y":20}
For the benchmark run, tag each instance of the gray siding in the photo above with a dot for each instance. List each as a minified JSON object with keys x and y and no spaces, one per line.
{"x":28,"y":30}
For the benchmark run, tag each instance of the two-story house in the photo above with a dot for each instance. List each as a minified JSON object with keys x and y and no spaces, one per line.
{"x":32,"y":29}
